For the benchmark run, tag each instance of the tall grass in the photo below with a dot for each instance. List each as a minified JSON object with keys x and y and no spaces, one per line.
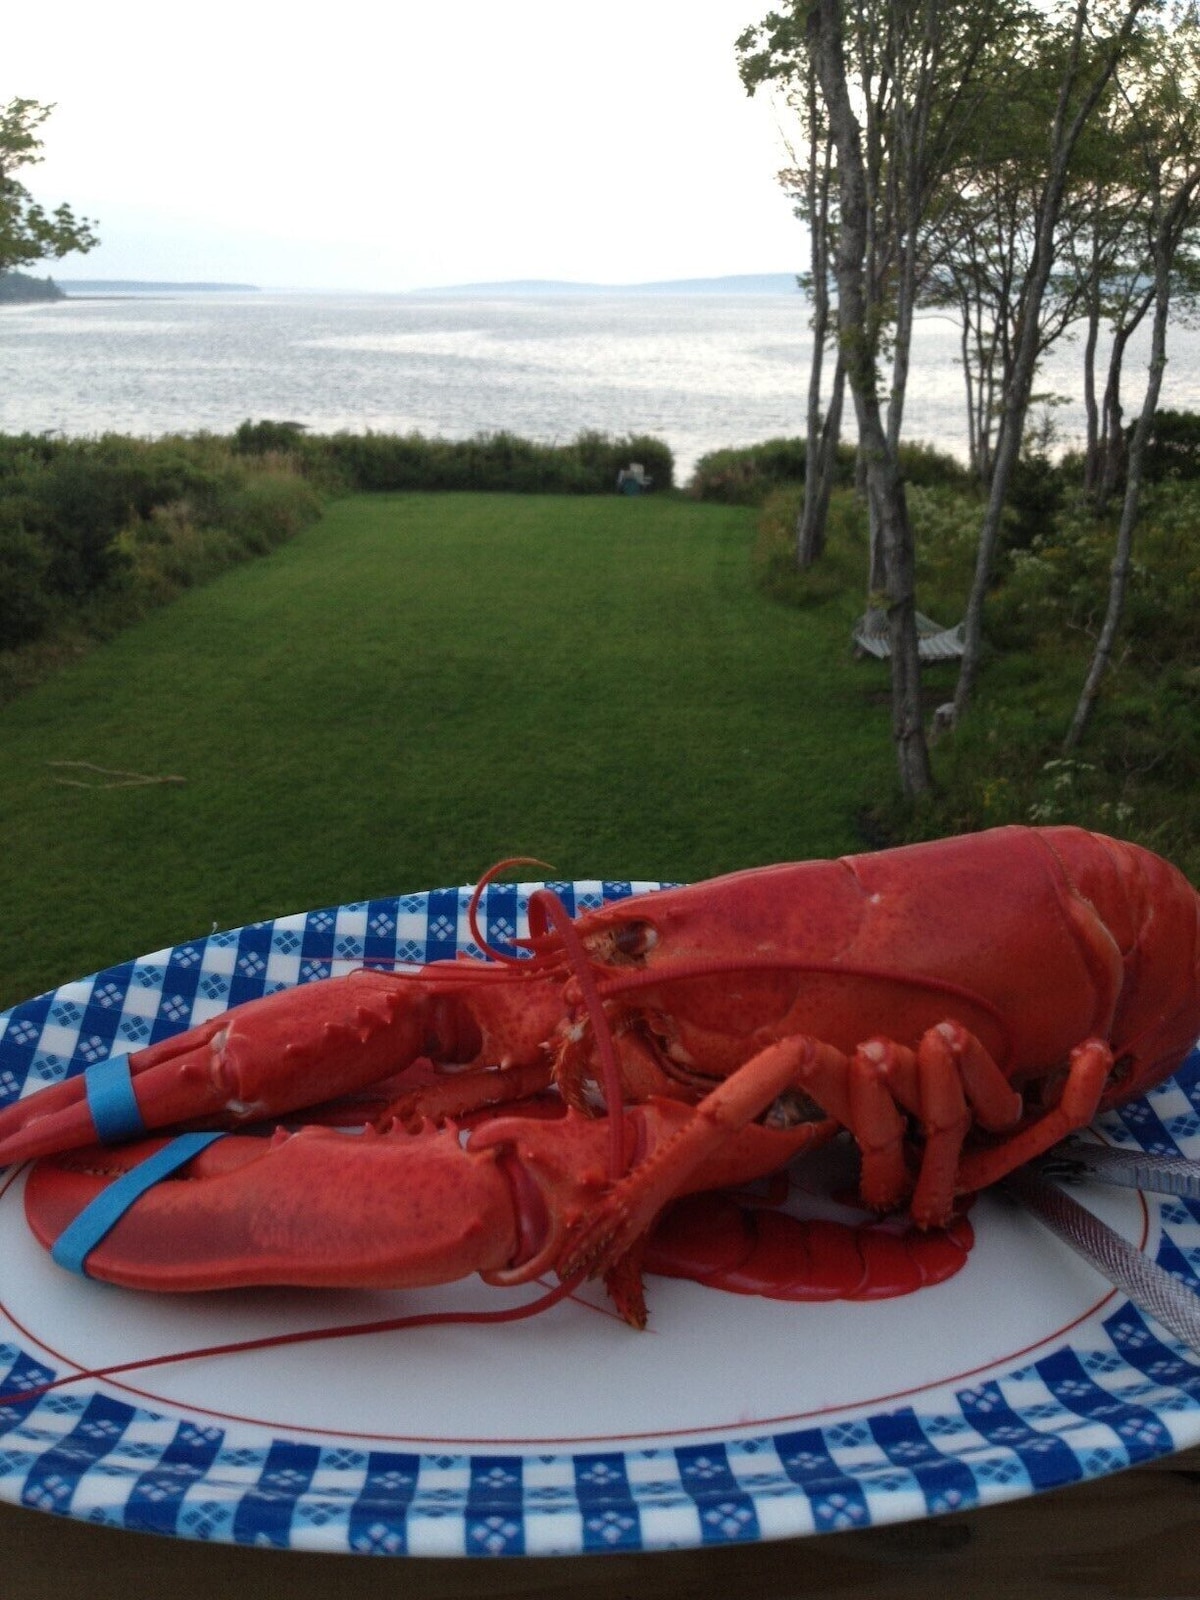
{"x":413,"y":688}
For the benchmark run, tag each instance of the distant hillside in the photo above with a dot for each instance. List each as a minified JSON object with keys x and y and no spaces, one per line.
{"x":19,"y":286}
{"x":146,"y":286}
{"x":740,"y":283}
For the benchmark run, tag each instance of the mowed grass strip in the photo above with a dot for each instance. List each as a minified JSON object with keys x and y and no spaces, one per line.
{"x":415,"y":687}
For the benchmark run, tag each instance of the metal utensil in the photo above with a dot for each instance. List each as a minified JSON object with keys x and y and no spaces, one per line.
{"x":1130,"y":1169}
{"x":1151,"y":1289}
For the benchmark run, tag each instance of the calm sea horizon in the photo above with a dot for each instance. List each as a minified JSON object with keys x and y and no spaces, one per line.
{"x":700,"y":371}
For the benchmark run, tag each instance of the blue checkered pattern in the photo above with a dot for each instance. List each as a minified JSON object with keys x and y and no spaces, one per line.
{"x":1116,"y":1395}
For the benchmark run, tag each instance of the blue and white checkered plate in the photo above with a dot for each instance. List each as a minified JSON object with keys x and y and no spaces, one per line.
{"x":733,"y":1418}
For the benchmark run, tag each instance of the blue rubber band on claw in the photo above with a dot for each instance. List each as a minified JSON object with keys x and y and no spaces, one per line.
{"x":112,"y":1102}
{"x":97,"y":1219}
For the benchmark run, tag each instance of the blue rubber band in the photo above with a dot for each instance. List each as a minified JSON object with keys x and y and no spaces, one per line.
{"x":80,"y":1237}
{"x":112,"y":1102}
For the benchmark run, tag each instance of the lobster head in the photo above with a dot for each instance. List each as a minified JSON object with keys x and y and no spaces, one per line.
{"x":1034,"y":939}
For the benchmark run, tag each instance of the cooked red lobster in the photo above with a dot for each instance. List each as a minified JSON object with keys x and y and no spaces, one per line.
{"x":955,"y":1007}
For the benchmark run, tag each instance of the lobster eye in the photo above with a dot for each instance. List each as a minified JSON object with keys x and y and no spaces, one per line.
{"x":634,"y":939}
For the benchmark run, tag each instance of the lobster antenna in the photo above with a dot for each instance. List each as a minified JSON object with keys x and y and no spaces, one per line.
{"x":270,"y":1341}
{"x":489,"y":877}
{"x":559,"y":918}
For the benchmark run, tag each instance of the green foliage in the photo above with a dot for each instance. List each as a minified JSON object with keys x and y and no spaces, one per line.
{"x":925,"y":466}
{"x":25,"y":604}
{"x":1137,"y":773}
{"x":1173,"y":447}
{"x":267,"y":437}
{"x":28,"y":232}
{"x":1059,"y":584}
{"x":489,"y":463}
{"x":1036,"y":493}
{"x":93,"y":530}
{"x":836,"y":579}
{"x":1137,"y":776}
{"x":745,"y":476}
{"x":945,"y":521}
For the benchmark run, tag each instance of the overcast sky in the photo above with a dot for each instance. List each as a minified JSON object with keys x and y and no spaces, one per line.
{"x":383,"y":146}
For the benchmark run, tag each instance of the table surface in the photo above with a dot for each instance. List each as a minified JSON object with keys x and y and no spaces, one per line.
{"x":1135,"y":1535}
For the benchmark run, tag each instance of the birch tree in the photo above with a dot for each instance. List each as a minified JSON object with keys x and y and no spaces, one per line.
{"x":1095,"y":34}
{"x":898,"y":82}
{"x":1162,"y":95}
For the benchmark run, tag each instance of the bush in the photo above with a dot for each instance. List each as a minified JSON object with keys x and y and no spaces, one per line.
{"x":25,"y":603}
{"x":927,"y":467}
{"x":268,"y":438}
{"x":496,"y":462}
{"x":1173,"y":448}
{"x":92,"y":532}
{"x":744,"y":477}
{"x":268,"y":509}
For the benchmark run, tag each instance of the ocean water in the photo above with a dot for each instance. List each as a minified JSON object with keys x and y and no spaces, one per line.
{"x":700,"y":371}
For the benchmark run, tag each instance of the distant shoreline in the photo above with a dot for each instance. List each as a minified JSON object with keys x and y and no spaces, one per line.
{"x":515,"y":288}
{"x":80,"y":288}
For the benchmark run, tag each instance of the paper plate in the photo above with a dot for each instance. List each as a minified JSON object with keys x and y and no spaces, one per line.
{"x":731,"y":1419}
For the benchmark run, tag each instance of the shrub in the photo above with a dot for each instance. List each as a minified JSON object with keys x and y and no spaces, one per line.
{"x":928,"y":467}
{"x":1173,"y":448}
{"x":268,"y":509}
{"x":266,"y":437}
{"x":25,"y":603}
{"x":496,"y":462}
{"x":745,"y":476}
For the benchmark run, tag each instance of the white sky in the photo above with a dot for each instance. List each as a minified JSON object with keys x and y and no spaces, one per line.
{"x":390,"y":144}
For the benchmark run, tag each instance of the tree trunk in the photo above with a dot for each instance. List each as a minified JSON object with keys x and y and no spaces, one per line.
{"x":885,"y":488}
{"x":811,"y":523}
{"x":1091,"y":460}
{"x":1112,"y":435}
{"x":819,"y":474}
{"x":1119,"y":578}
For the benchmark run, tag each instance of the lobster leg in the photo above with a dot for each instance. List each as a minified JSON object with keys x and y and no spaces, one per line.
{"x":627,"y":1212}
{"x":1087,"y":1077}
{"x":950,"y":1083}
{"x":949,"y":1076}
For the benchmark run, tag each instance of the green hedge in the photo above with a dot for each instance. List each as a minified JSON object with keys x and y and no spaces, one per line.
{"x":492,"y":463}
{"x":746,"y":476}
{"x":94,"y":527}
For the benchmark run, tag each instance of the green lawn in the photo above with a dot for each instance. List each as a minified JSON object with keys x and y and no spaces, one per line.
{"x":413,"y":688}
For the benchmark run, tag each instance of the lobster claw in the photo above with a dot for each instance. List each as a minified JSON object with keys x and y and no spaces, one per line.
{"x":324,"y":1208}
{"x":289,"y":1050}
{"x":317,"y":1208}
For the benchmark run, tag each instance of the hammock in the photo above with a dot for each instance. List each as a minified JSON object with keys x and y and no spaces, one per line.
{"x":934,"y":643}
